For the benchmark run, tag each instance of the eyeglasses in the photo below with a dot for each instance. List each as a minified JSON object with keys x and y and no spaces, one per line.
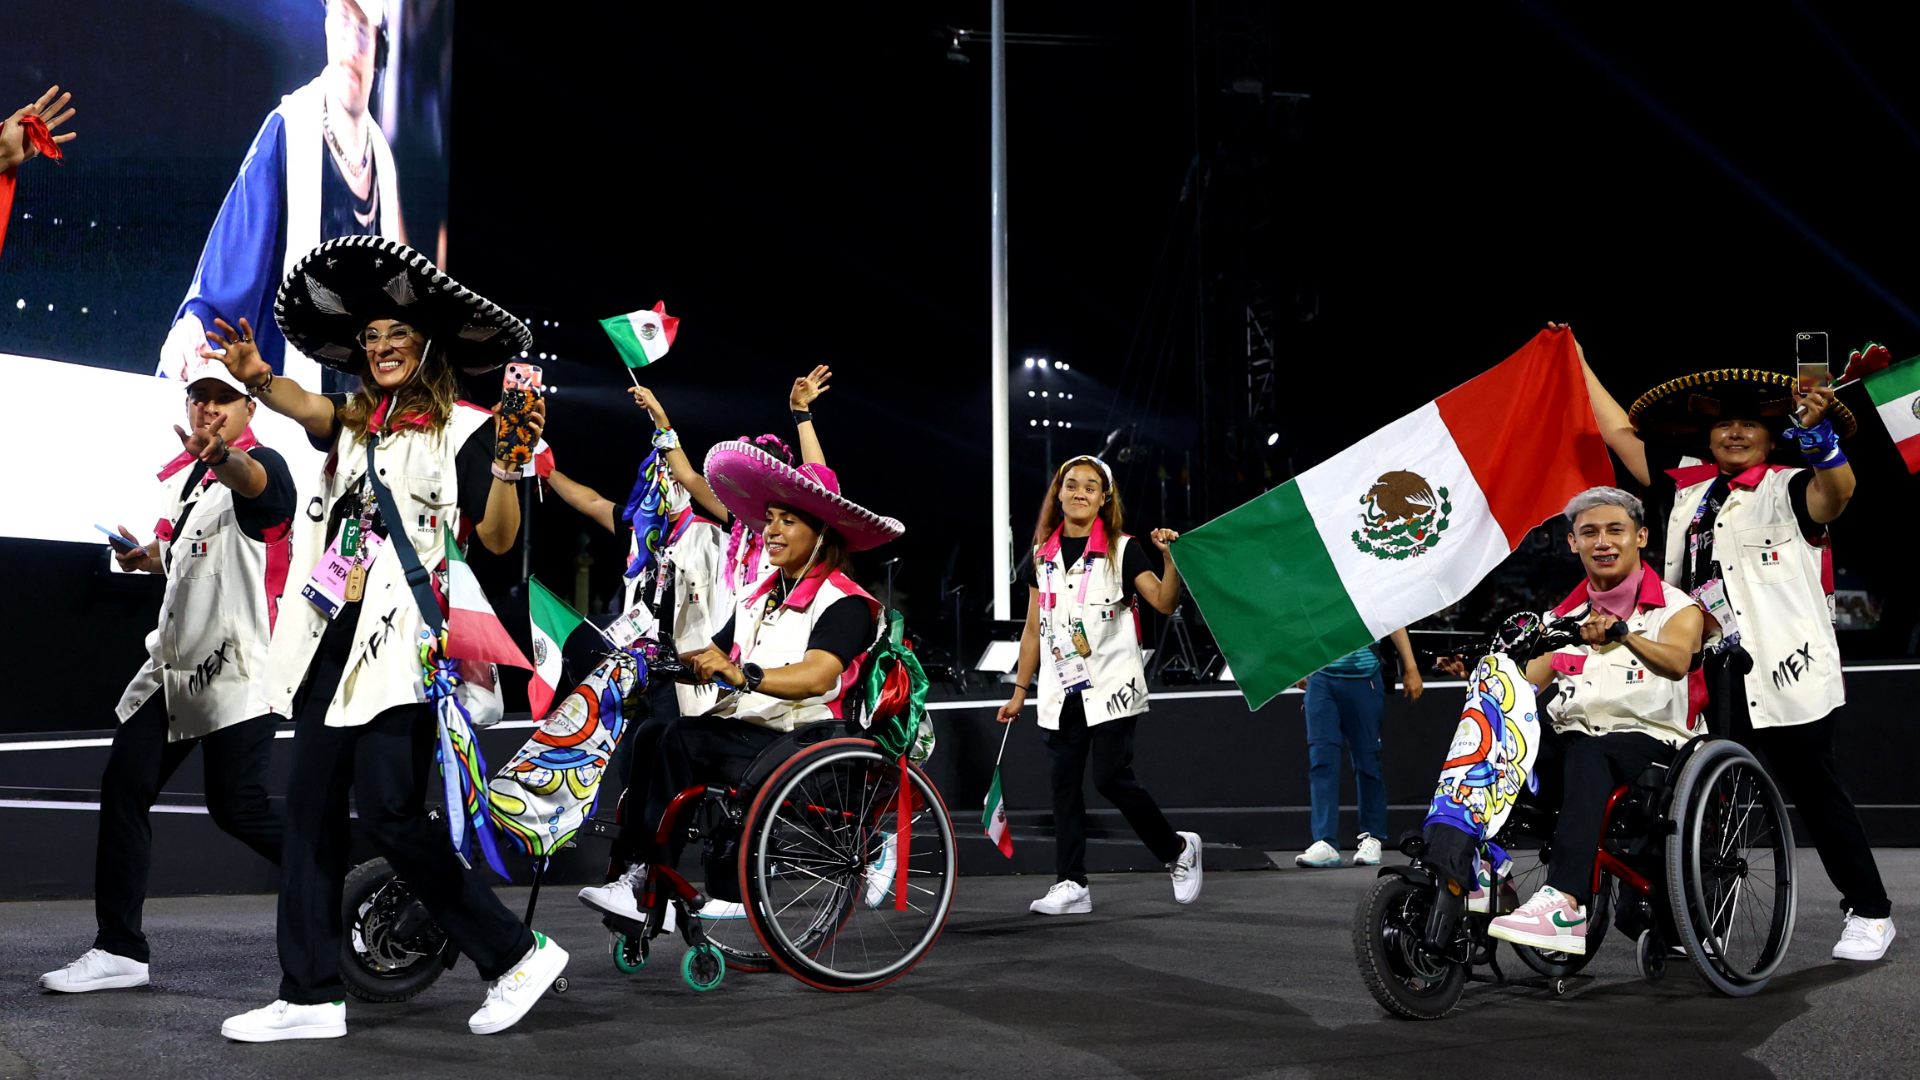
{"x":399,"y":336}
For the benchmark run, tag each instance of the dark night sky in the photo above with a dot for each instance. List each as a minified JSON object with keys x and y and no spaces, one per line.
{"x":1688,"y":185}
{"x":1687,"y":188}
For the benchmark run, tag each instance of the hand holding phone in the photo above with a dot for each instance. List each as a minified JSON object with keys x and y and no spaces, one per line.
{"x":122,"y":540}
{"x":520,"y":417}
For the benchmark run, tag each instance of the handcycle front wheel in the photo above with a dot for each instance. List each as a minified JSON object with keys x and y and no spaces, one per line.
{"x":1388,"y":931}
{"x":849,"y":864}
{"x":391,"y":949}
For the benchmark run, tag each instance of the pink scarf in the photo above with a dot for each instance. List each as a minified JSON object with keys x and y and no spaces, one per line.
{"x":1619,"y":601}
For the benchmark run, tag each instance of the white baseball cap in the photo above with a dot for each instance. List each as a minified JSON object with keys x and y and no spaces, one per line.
{"x":203,"y":368}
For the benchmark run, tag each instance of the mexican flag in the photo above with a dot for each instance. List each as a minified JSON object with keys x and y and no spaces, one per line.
{"x":1896,"y":396}
{"x":642,"y":336}
{"x":1403,"y":524}
{"x":553,"y":620}
{"x":994,"y":819}
{"x":474,"y":632}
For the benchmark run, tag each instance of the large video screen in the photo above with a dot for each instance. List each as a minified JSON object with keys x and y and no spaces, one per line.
{"x":219,"y":140}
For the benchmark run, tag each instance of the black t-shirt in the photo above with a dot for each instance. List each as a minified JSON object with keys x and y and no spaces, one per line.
{"x":845,"y":629}
{"x":272,"y":507}
{"x":1697,"y":564}
{"x":1134,"y":563}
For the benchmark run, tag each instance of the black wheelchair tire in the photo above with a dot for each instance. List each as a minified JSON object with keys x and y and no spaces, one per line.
{"x":1689,"y":868}
{"x":1385,"y":935}
{"x":363,"y":979}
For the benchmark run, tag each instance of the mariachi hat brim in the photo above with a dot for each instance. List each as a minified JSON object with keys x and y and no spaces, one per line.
{"x":336,"y":289}
{"x":1689,"y":406}
{"x":749,"y":480}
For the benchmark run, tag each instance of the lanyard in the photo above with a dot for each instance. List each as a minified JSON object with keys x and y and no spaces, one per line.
{"x":1050,"y":599}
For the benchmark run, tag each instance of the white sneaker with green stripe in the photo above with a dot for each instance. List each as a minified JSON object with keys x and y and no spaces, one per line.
{"x":1549,"y":920}
{"x":512,"y":994}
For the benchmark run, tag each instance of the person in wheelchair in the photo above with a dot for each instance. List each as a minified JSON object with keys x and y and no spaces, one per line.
{"x":786,"y":657}
{"x":1624,"y":703}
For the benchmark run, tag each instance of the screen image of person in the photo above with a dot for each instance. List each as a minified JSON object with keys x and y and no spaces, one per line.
{"x":320,"y":168}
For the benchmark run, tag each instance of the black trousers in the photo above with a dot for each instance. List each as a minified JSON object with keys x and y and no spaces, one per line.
{"x":389,"y":764}
{"x":695,"y":750}
{"x":1577,"y":772}
{"x":1800,"y":759}
{"x":1110,"y":747}
{"x":633,"y":766}
{"x":235,"y":762}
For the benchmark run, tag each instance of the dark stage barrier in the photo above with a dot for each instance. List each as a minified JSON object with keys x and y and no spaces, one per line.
{"x":1237,"y":778}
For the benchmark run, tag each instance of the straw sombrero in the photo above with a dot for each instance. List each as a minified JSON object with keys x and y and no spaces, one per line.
{"x":1689,"y":406}
{"x":337,"y":288}
{"x":748,"y":479}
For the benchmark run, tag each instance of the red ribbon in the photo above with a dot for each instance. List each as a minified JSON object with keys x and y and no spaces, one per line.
{"x":35,"y":130}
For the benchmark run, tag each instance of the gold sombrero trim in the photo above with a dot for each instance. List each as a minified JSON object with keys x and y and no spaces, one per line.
{"x":1842,"y":416}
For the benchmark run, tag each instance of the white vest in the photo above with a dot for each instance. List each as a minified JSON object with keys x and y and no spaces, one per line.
{"x":1117,"y":667}
{"x":383,"y":668}
{"x":702,"y":598}
{"x":1773,"y":582}
{"x":216,"y":615}
{"x":780,"y":640}
{"x":1613,"y":690}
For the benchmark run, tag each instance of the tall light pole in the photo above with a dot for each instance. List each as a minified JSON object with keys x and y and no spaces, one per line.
{"x":1002,"y":500}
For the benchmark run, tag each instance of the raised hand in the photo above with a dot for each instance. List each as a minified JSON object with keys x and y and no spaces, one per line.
{"x":15,"y":147}
{"x":235,"y":348}
{"x":808,"y":387}
{"x":644,"y":398}
{"x":205,"y":443}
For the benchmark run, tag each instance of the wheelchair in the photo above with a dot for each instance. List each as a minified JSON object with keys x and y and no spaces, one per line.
{"x":1696,"y":861}
{"x":835,"y":842}
{"x":840,"y":851}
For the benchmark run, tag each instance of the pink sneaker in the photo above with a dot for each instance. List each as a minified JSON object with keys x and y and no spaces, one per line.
{"x":1483,"y":880}
{"x":1548,"y":920}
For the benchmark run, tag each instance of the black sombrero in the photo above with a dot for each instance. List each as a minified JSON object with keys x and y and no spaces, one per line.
{"x":332,"y":293}
{"x":1689,"y":406}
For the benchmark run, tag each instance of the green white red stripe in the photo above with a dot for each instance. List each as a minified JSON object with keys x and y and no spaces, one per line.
{"x":994,"y":818}
{"x":1896,"y":397}
{"x":1399,"y":526}
{"x":553,"y":620}
{"x":642,"y":337}
{"x":474,"y":632}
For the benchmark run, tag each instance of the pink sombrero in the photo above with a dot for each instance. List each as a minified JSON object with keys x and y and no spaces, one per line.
{"x":748,"y":479}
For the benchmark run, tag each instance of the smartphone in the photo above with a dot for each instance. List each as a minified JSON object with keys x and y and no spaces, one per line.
{"x":1810,"y":356}
{"x":119,"y":542}
{"x":520,"y":387}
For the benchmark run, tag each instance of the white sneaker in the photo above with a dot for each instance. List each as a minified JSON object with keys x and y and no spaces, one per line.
{"x":1065,"y":898}
{"x":97,"y":969}
{"x":1369,"y":853}
{"x":285,"y":1020}
{"x":1319,"y":857}
{"x":714,"y":909}
{"x":617,"y":897}
{"x":1863,"y":939}
{"x":881,"y":873}
{"x":1549,"y":920}
{"x":1186,"y":870}
{"x":512,"y":994}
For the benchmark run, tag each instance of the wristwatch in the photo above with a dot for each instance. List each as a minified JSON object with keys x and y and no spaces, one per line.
{"x":751,"y":674}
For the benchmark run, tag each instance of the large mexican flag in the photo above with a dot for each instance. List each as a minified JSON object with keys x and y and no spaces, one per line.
{"x":1403,"y":524}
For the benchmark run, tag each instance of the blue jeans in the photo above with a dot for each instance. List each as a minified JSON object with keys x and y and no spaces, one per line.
{"x":1345,"y":710}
